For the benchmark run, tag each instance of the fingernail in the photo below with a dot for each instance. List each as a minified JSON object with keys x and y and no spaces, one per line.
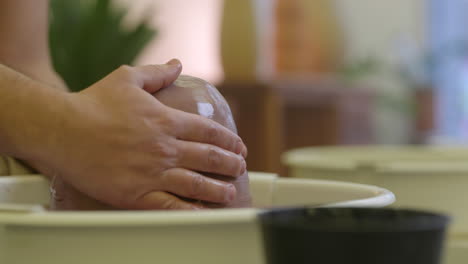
{"x":230,"y":193}
{"x":243,"y":167}
{"x":244,"y":151}
{"x":174,"y":62}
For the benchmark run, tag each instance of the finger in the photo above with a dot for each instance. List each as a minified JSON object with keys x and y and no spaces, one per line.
{"x":154,"y":77}
{"x":190,"y":184}
{"x":164,"y":201}
{"x":191,"y":127}
{"x":208,"y":158}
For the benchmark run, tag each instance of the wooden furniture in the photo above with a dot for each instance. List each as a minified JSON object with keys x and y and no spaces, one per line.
{"x":424,"y":123}
{"x":295,"y":112}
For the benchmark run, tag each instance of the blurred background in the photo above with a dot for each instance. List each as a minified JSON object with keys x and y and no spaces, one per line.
{"x":295,"y":72}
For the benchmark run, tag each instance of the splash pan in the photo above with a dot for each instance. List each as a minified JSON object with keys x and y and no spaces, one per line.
{"x":30,"y":234}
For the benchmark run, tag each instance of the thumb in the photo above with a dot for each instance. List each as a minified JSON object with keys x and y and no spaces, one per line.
{"x":155,"y":77}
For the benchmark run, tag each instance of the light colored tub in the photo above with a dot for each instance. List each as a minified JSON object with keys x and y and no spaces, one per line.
{"x":432,"y":178}
{"x":30,"y":235}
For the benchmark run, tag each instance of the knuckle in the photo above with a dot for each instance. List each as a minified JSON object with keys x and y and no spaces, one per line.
{"x":162,"y":150}
{"x":212,"y":133}
{"x":197,"y":186}
{"x":163,"y":177}
{"x":169,"y":204}
{"x":125,"y":73}
{"x":161,"y":70}
{"x":170,"y":122}
{"x":157,"y":69}
{"x":214,"y":158}
{"x":125,"y":69}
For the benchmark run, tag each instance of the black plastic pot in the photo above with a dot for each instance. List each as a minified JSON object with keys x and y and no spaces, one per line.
{"x":353,"y":235}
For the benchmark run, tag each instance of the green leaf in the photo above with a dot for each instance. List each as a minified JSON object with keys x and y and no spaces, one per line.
{"x":88,"y":40}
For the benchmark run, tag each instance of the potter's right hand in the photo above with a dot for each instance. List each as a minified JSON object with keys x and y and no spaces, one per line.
{"x":120,"y":145}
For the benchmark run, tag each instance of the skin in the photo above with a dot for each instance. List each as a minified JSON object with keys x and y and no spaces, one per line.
{"x":113,"y":141}
{"x":24,"y":42}
{"x":190,"y":95}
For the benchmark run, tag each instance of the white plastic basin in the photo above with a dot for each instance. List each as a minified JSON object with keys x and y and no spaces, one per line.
{"x":432,"y":178}
{"x":30,"y":235}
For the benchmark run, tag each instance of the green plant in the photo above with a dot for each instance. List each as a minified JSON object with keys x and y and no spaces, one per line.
{"x":88,"y":40}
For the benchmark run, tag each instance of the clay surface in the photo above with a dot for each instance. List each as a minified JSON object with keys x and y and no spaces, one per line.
{"x":188,"y":94}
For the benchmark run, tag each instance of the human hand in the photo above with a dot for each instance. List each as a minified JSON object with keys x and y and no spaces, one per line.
{"x":122,"y":147}
{"x":197,"y":96}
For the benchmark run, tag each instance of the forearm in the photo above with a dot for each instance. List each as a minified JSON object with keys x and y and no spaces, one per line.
{"x":23,"y":30}
{"x":29,"y":116}
{"x":24,"y":44}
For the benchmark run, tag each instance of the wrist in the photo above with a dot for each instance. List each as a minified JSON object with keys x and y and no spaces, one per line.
{"x":45,"y":147}
{"x":31,"y":114}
